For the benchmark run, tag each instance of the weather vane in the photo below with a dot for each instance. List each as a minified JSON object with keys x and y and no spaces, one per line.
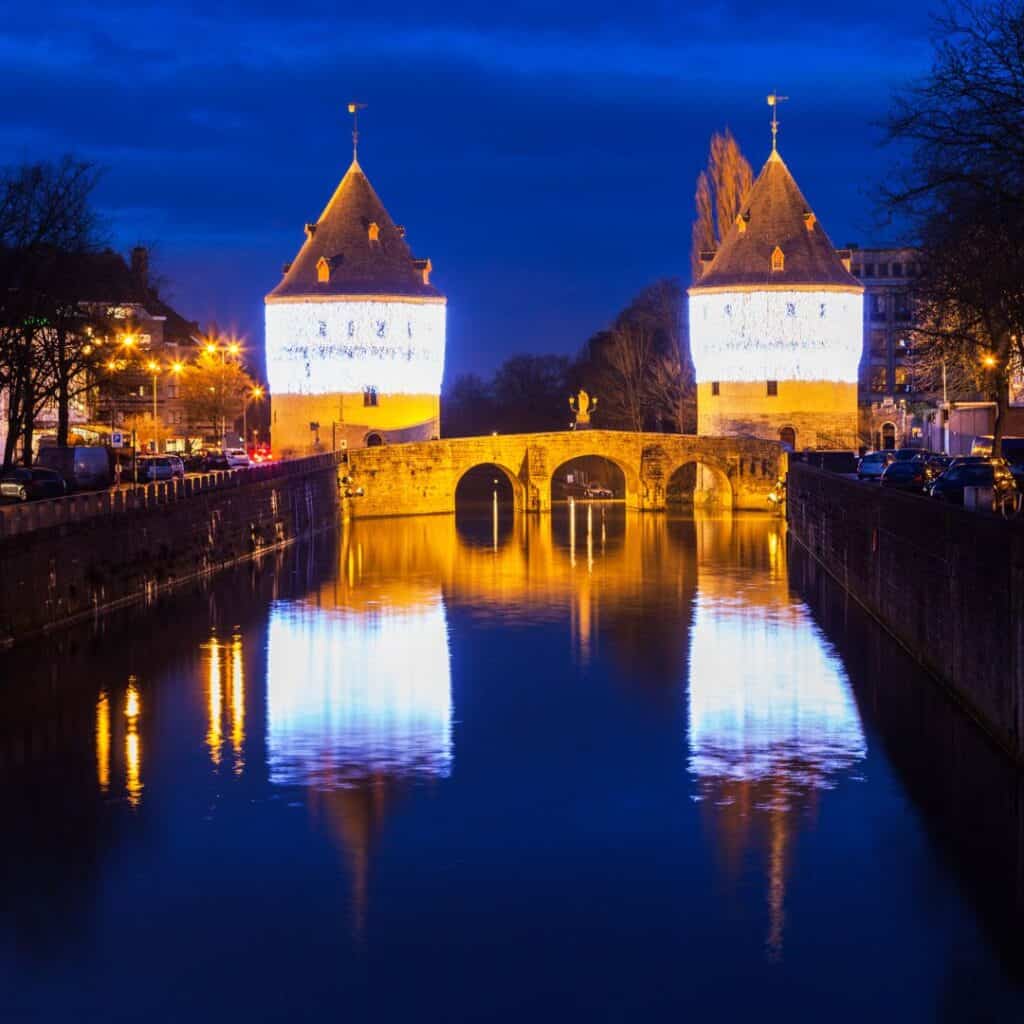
{"x":774,"y":99}
{"x":353,"y":109}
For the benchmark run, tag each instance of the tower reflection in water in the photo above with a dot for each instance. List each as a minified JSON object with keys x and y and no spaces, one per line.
{"x":358,"y":705}
{"x":772,"y":719}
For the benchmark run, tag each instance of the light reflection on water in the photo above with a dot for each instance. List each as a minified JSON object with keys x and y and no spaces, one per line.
{"x":357,"y":692}
{"x":661,"y":775}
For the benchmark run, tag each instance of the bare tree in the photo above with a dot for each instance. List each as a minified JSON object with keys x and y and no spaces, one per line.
{"x":46,"y":224}
{"x":721,"y":189}
{"x":962,"y":192}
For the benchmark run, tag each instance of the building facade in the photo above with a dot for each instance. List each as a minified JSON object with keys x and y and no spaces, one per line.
{"x":355,"y":332}
{"x":130,"y":327}
{"x":776,"y":324}
{"x":888,"y":396}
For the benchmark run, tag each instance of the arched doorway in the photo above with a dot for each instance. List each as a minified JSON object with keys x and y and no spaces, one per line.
{"x":698,"y":485}
{"x":888,"y":436}
{"x":374,"y":440}
{"x":787,"y":435}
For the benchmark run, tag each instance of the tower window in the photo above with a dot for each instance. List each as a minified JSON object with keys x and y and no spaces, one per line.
{"x":369,"y":396}
{"x":773,"y":388}
{"x":778,"y":260}
{"x":323,"y":270}
{"x":715,"y":388}
{"x":373,"y":231}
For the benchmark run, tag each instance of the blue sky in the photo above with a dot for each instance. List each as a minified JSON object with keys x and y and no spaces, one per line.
{"x":542,"y":155}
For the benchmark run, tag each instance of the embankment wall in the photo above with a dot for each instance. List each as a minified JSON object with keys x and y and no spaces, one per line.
{"x":60,"y":560}
{"x":946,"y":583}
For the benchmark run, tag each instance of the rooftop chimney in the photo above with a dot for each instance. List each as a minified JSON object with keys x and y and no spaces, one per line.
{"x":140,"y":264}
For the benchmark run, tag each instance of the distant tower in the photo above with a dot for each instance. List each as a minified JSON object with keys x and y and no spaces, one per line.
{"x":776,"y":324}
{"x":355,"y":331}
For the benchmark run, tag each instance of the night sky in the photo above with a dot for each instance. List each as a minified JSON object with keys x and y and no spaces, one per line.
{"x":542,"y":154}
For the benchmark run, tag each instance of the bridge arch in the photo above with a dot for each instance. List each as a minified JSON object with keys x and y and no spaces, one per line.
{"x":518,"y":490}
{"x":699,"y":480}
{"x":630,"y":475}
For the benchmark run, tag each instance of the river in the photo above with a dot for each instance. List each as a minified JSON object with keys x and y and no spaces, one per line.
{"x":602,"y":767}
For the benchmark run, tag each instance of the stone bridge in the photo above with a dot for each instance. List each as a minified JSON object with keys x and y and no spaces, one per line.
{"x":421,"y":478}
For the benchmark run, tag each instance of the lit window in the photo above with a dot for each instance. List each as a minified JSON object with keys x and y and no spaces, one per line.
{"x":373,"y":231}
{"x":901,"y":377}
{"x":778,"y":260}
{"x":715,"y":388}
{"x":369,"y":396}
{"x":773,"y":388}
{"x":879,"y":378}
{"x":323,"y":270}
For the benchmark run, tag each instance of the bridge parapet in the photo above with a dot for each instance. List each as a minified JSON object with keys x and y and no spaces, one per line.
{"x":421,"y":478}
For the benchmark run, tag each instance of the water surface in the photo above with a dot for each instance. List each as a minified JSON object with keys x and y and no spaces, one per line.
{"x":608,"y":768}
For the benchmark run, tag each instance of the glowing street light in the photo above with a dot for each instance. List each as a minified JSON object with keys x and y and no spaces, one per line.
{"x":254,"y":395}
{"x":989,"y":361}
{"x":154,"y":368}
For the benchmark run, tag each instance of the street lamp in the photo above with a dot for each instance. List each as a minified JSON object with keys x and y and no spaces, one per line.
{"x":255,"y":394}
{"x":154,"y":368}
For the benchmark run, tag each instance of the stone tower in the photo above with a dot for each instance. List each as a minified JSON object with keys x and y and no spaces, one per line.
{"x":355,"y":332}
{"x":776,"y":324}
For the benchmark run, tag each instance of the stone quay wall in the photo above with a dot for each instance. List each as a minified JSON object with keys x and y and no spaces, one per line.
{"x":421,"y":478}
{"x":946,"y":583}
{"x":80,"y":555}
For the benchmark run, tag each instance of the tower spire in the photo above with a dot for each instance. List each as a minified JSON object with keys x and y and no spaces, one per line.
{"x":774,"y":99}
{"x":353,"y":109}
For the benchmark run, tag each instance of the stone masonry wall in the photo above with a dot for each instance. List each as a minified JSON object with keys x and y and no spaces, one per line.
{"x":63,"y":559}
{"x":947,"y":583}
{"x":416,"y":479}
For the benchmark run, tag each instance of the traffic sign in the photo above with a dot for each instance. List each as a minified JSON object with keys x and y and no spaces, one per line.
{"x":117,"y":439}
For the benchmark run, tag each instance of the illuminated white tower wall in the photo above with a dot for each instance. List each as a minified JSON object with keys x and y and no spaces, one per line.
{"x":355,"y":332}
{"x":776,"y":325}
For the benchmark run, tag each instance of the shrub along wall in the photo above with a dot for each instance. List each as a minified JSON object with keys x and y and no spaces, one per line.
{"x":61,"y":560}
{"x":947,"y":583}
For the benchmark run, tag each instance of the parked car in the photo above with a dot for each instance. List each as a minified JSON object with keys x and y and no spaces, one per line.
{"x":908,"y":475}
{"x":156,"y":467}
{"x":82,"y":467}
{"x":597,"y":491}
{"x":238,"y":458}
{"x":872,"y":465}
{"x":177,"y":466}
{"x":934,"y":466}
{"x":906,"y":454}
{"x":31,"y":484}
{"x":992,"y":473}
{"x":215,"y":461}
{"x":1012,"y":450}
{"x":193,"y":461}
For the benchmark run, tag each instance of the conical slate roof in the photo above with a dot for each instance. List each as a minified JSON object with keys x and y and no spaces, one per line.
{"x":775,"y":213}
{"x":361,"y":260}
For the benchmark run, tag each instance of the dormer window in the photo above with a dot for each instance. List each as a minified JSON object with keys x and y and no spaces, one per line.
{"x":742,"y":220}
{"x":373,"y":231}
{"x":809,"y":220}
{"x":778,"y":260}
{"x":310,"y":230}
{"x":424,"y":267}
{"x":323,"y":270}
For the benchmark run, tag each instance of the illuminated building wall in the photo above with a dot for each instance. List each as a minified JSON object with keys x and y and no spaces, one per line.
{"x":355,"y":332}
{"x":324,"y":357}
{"x":776,"y":325}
